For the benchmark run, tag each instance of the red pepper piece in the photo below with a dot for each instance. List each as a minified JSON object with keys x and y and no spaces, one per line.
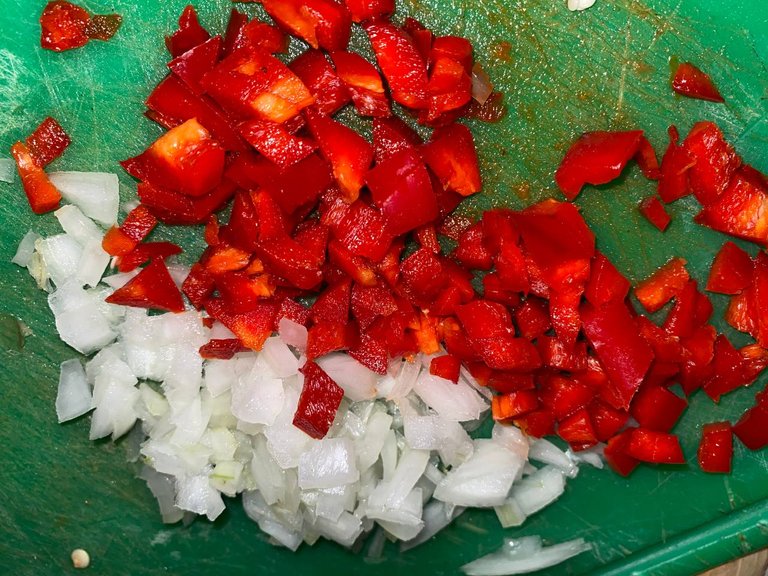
{"x":319,"y":401}
{"x":446,"y":366}
{"x":186,"y":159}
{"x":532,"y":318}
{"x":224,"y":258}
{"x":741,"y":211}
{"x":144,"y":252}
{"x":729,"y":370}
{"x":647,"y":161}
{"x":564,"y":313}
{"x":555,"y":353}
{"x":577,"y":430}
{"x":715,"y":162}
{"x":596,"y":158}
{"x":422,"y":275}
{"x":174,"y":102}
{"x":234,"y":36}
{"x":242,"y":230}
{"x":333,"y":304}
{"x":211,"y":233}
{"x":288,"y":259}
{"x":716,"y":448}
{"x":42,"y":195}
{"x":327,"y":89}
{"x":356,"y":267}
{"x":681,"y":320}
{"x":482,"y":319}
{"x":623,"y":353}
{"x":192,"y":65}
{"x":252,"y":328}
{"x":363,"y":10}
{"x":755,"y":360}
{"x":426,"y":236}
{"x":349,"y":153}
{"x":689,"y":81}
{"x":47,"y":142}
{"x":314,"y":236}
{"x":189,"y":34}
{"x":606,"y":283}
{"x":666,"y":347}
{"x":199,"y":285}
{"x":655,"y":447}
{"x":759,"y":291}
{"x":751,"y":428}
{"x":364,"y":84}
{"x":505,"y":407}
{"x":152,"y":288}
{"x":392,"y":135}
{"x":698,"y":351}
{"x":325,"y":337}
{"x":422,"y":37}
{"x":538,"y":423}
{"x":118,"y":241}
{"x":242,"y":292}
{"x":362,"y":229}
{"x":370,"y":302}
{"x":740,"y":312}
{"x":255,"y":34}
{"x":606,"y":421}
{"x":449,"y":88}
{"x":656,"y":408}
{"x":222,"y":349}
{"x":655,"y":213}
{"x":451,"y":154}
{"x":371,"y":354}
{"x":322,"y":23}
{"x":401,"y":63}
{"x":617,"y":456}
{"x":294,"y":311}
{"x":563,"y":396}
{"x":504,"y":382}
{"x":508,"y":353}
{"x":664,"y":284}
{"x":401,"y":188}
{"x":731,"y":271}
{"x":175,"y":208}
{"x":470,"y":251}
{"x":276,"y":143}
{"x":63,"y":26}
{"x":673,"y":180}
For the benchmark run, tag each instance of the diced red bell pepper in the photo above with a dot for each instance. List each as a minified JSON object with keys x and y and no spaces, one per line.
{"x":191,"y":66}
{"x":186,"y":159}
{"x":322,"y":23}
{"x":555,"y":353}
{"x":729,"y":370}
{"x":224,"y":258}
{"x":118,"y":241}
{"x":564,"y":313}
{"x":606,"y":283}
{"x":689,"y":81}
{"x":401,"y":63}
{"x":421,"y":35}
{"x":325,"y":337}
{"x":252,"y":328}
{"x":211,"y":233}
{"x":349,"y":153}
{"x":505,"y":407}
{"x":175,"y":208}
{"x":666,"y":347}
{"x":221,"y":349}
{"x":741,"y":312}
{"x":276,"y":143}
{"x":655,"y":447}
{"x":392,"y":135}
{"x":577,"y":430}
{"x":242,"y":292}
{"x":362,"y":229}
{"x":256,"y":34}
{"x":532,"y":318}
{"x":422,"y":275}
{"x":751,"y":428}
{"x":364,"y":84}
{"x":152,"y":288}
{"x":401,"y":188}
{"x":41,"y":194}
{"x":363,"y":10}
{"x":294,"y":311}
{"x":563,"y":395}
{"x":446,"y":366}
{"x":731,"y":271}
{"x":426,"y":236}
{"x":242,"y":230}
{"x":234,"y":35}
{"x":449,"y":88}
{"x":606,"y":421}
{"x":506,"y":382}
{"x":482,"y":319}
{"x":673,"y":180}
{"x":622,"y":351}
{"x":755,"y":360}
{"x":655,"y":213}
{"x":370,"y":302}
{"x":617,"y":456}
{"x":716,"y":448}
{"x":596,"y":158}
{"x":470,"y":251}
{"x":371,"y":354}
{"x":47,"y":142}
{"x":63,"y":26}
{"x":507,"y":352}
{"x":199,"y":285}
{"x":189,"y":34}
{"x":288,"y":259}
{"x":333,"y":304}
{"x":451,"y":155}
{"x":664,"y":284}
{"x":327,"y":89}
{"x":681,"y":319}
{"x":356,"y":267}
{"x":656,"y":408}
{"x":538,"y":423}
{"x":319,"y":401}
{"x":741,"y":211}
{"x":647,"y":161}
{"x":146,"y":251}
{"x":698,"y":352}
{"x":715,"y":162}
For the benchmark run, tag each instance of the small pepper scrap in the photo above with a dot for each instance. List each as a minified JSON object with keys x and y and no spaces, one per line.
{"x":65,"y":26}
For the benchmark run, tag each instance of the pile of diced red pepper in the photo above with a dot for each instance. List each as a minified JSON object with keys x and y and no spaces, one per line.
{"x":321,"y":214}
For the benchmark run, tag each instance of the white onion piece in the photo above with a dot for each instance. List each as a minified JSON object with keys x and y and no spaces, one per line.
{"x":457,"y":402}
{"x":538,"y":490}
{"x":544,"y":451}
{"x":266,"y":473}
{"x":344,"y":530}
{"x":329,"y":462}
{"x":74,"y":395}
{"x":405,"y":380}
{"x":77,"y":224}
{"x":195,"y":494}
{"x":392,"y":492}
{"x":26,"y":249}
{"x":258,"y":511}
{"x":436,"y":516}
{"x":370,"y":445}
{"x":120,"y":279}
{"x":292,"y":333}
{"x":574,"y":5}
{"x":7,"y":170}
{"x":512,"y":438}
{"x":592,"y":456}
{"x":285,"y":441}
{"x":279,"y":358}
{"x":435,"y":433}
{"x":163,"y":488}
{"x":97,"y":194}
{"x":524,"y":556}
{"x":219,"y":376}
{"x":93,"y":262}
{"x":79,"y":322}
{"x":357,"y":381}
{"x":61,"y":254}
{"x":510,"y":513}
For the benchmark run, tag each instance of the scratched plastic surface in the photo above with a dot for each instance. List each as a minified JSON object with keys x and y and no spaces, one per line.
{"x":562,"y":73}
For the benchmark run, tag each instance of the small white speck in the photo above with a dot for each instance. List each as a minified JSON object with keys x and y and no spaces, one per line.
{"x":80,"y":558}
{"x":579,"y":4}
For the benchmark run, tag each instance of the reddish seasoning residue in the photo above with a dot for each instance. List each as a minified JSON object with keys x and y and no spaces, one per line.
{"x":493,"y":110}
{"x":502,"y":51}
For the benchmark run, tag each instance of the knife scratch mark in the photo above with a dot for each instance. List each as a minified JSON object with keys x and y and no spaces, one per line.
{"x":624,"y":66}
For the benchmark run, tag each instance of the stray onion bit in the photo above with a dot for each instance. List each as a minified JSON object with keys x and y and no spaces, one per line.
{"x":80,"y":558}
{"x":578,"y":5}
{"x":524,"y":555}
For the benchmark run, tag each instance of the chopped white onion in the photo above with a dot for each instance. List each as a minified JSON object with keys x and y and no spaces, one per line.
{"x":481,"y":84}
{"x":7,"y":170}
{"x":357,"y":381}
{"x":26,"y":249}
{"x":523,"y":556}
{"x":93,"y":261}
{"x":544,"y":451}
{"x":61,"y":255}
{"x":458,"y":402}
{"x":329,"y":462}
{"x":77,"y":224}
{"x":292,"y":333}
{"x":538,"y":490}
{"x":74,"y":396}
{"x":97,"y":194}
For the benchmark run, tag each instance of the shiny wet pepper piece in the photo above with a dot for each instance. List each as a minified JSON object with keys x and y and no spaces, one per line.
{"x":663,"y":285}
{"x":690,"y":81}
{"x":655,"y":213}
{"x":47,"y":142}
{"x":119,"y":241}
{"x":751,"y":428}
{"x":655,"y":447}
{"x":731,"y":271}
{"x":41,"y":194}
{"x":63,"y":26}
{"x":152,"y":288}
{"x":319,"y":401}
{"x":716,"y":448}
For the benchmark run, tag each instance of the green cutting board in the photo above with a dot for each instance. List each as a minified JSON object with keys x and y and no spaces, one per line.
{"x":562,"y":73}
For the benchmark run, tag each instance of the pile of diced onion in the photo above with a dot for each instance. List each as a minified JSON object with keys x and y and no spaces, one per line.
{"x":398,"y":460}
